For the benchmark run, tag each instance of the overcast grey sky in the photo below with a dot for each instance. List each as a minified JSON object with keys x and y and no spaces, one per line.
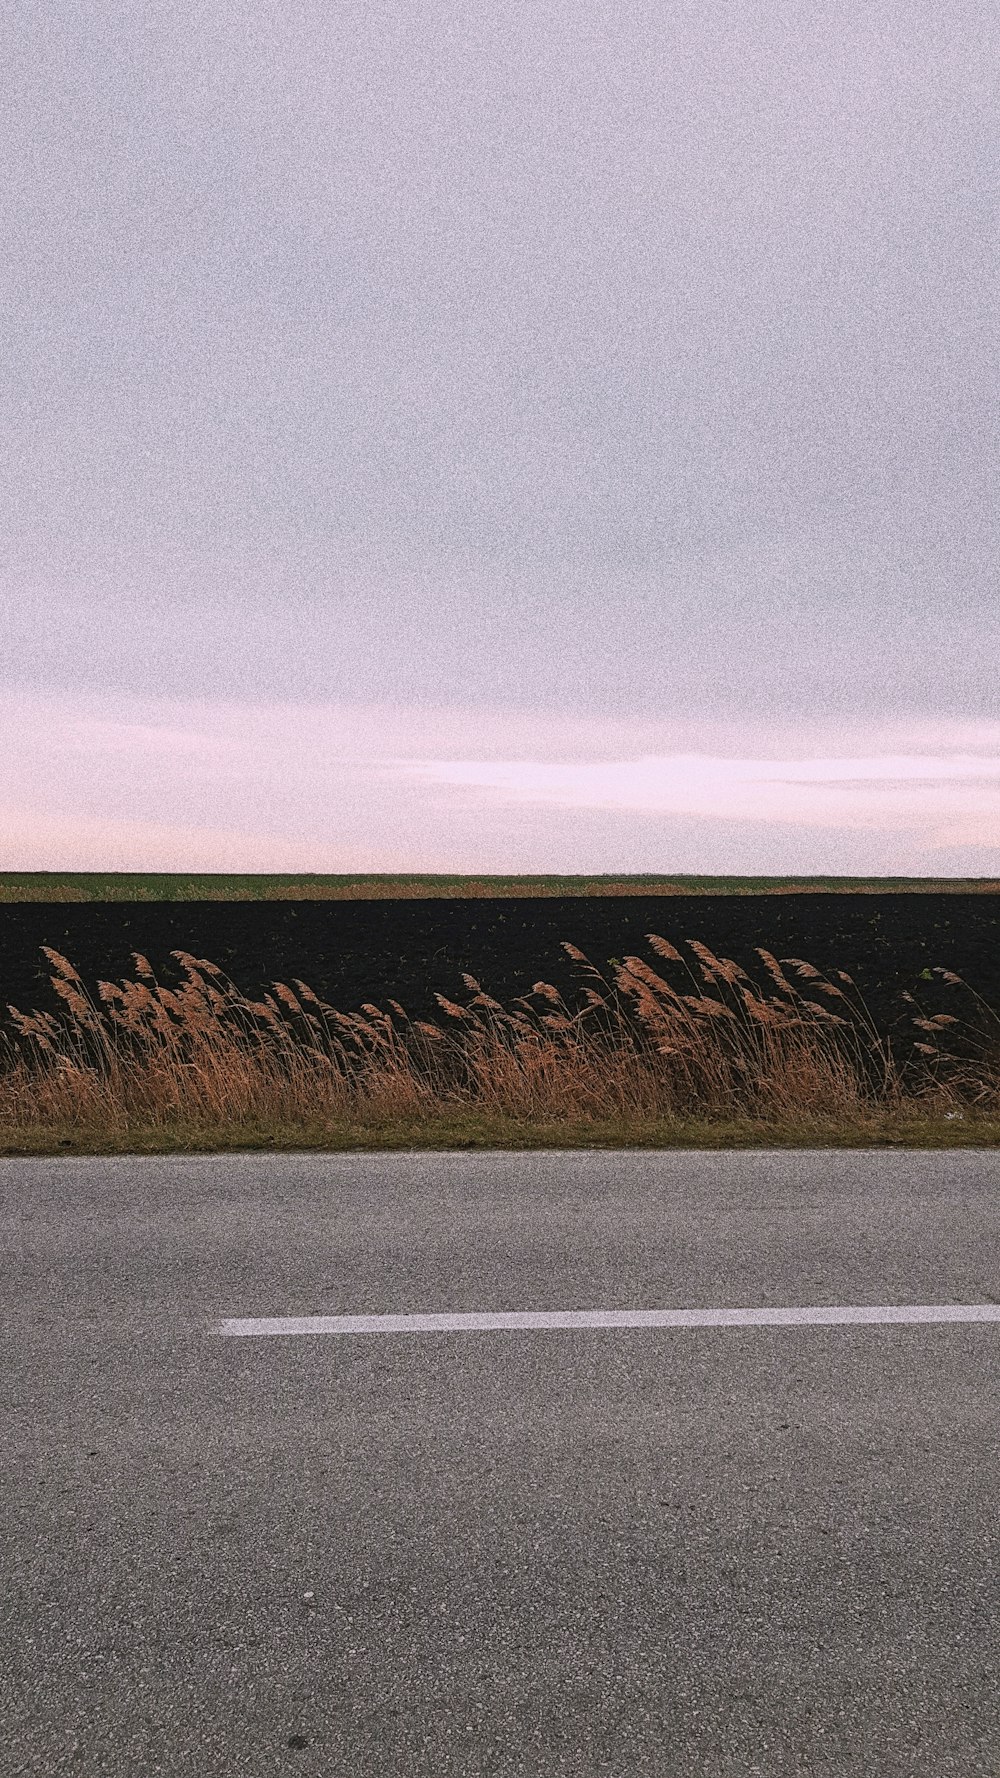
{"x":504,"y":385}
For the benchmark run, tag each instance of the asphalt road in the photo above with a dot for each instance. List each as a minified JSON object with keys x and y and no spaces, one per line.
{"x":736,"y":1552}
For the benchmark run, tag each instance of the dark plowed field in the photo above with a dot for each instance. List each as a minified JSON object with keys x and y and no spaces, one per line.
{"x":356,"y":951}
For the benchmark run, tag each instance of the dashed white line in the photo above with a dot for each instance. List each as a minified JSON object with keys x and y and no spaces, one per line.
{"x":489,"y":1321}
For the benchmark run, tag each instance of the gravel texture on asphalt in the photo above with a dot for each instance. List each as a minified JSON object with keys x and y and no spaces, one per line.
{"x":695,"y":1553}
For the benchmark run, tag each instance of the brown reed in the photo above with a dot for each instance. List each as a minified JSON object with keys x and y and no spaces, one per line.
{"x":145,"y":1055}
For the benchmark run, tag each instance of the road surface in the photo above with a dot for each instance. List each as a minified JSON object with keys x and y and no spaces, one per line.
{"x":758,"y":1548}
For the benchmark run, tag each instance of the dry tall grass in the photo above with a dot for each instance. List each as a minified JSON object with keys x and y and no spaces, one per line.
{"x":717,"y":1046}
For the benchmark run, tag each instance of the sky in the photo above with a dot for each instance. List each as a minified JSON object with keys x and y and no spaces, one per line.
{"x":507,"y":438}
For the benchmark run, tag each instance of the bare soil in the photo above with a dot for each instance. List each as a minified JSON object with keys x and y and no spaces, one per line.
{"x":356,"y":951}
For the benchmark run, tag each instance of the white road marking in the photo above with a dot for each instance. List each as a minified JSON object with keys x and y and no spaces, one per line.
{"x":496,"y":1321}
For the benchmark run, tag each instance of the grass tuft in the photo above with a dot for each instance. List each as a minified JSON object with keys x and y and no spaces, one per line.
{"x":148,"y":1069}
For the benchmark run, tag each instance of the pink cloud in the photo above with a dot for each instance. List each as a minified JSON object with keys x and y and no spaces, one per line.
{"x":93,"y":782}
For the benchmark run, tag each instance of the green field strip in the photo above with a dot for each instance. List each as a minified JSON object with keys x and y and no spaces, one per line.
{"x":97,"y":886}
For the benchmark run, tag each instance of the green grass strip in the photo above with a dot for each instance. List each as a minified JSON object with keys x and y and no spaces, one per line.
{"x":104,"y":886}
